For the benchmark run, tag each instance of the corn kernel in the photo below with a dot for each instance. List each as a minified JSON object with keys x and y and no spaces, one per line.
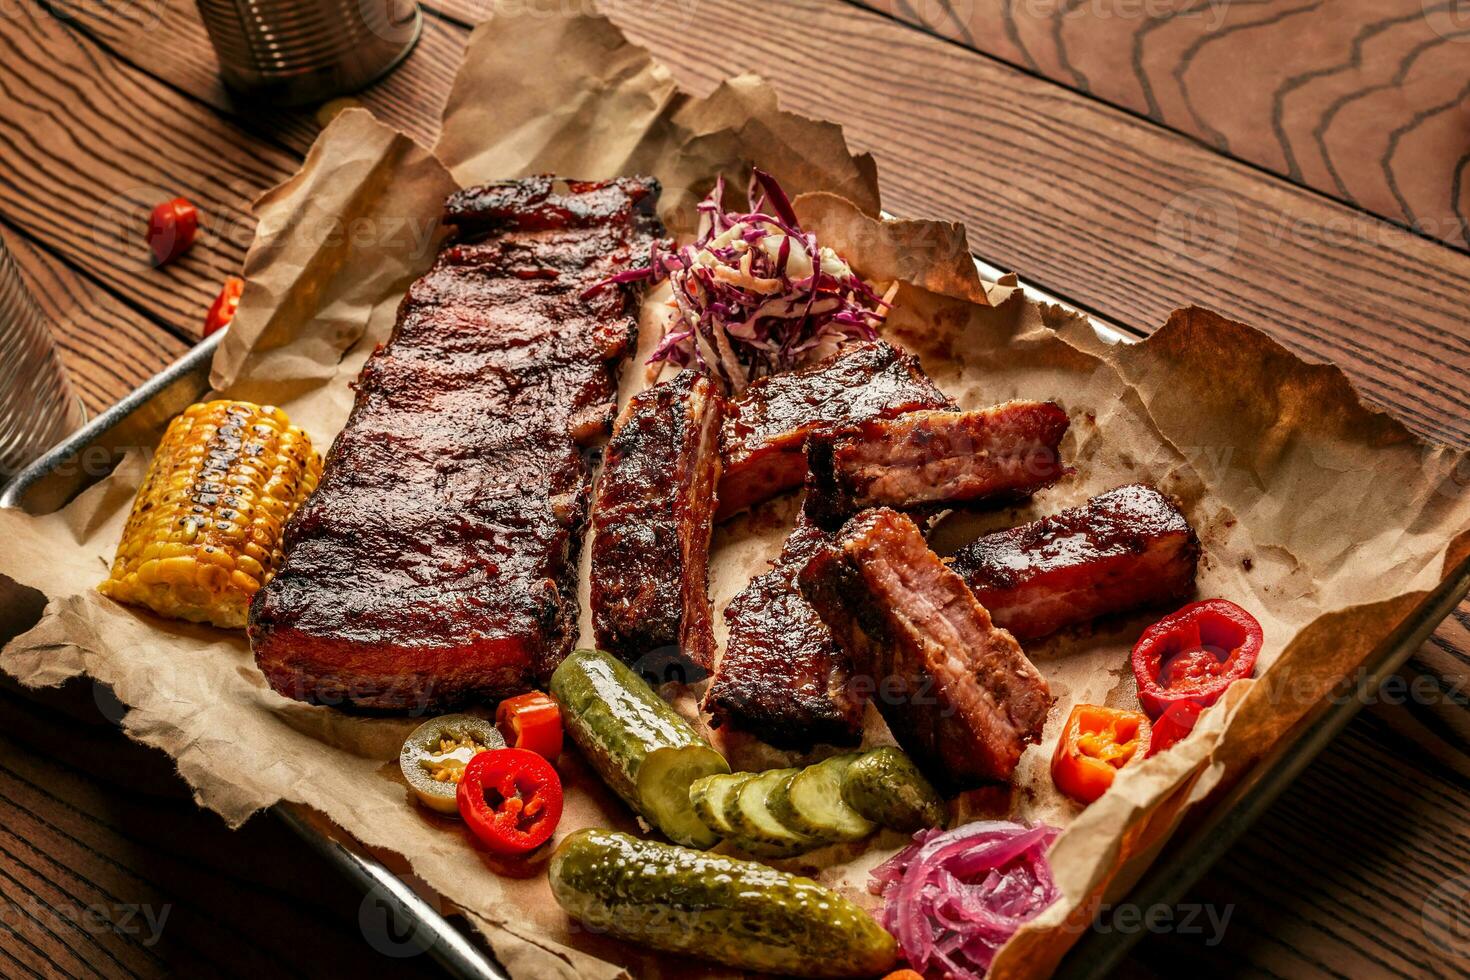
{"x":204,"y":532}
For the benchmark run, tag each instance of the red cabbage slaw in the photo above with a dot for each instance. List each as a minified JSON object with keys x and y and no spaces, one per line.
{"x":952,"y":898}
{"x":755,"y":293}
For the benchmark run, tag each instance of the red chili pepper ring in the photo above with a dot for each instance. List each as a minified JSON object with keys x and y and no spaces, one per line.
{"x":1173,"y":726}
{"x":511,"y":799}
{"x":1194,"y":654}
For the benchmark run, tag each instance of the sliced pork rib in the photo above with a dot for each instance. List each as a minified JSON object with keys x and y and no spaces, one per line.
{"x":928,"y":459}
{"x":651,"y":528}
{"x":783,"y":678}
{"x":436,"y":561}
{"x":1123,"y":550}
{"x":955,"y":689}
{"x":766,"y":427}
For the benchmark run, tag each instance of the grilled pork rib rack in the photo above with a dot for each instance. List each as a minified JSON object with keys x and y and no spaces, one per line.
{"x":956,"y":690}
{"x":651,"y":528}
{"x":1123,"y":550}
{"x":436,"y":561}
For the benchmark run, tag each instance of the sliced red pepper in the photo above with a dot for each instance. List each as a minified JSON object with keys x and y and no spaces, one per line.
{"x":1195,"y":654}
{"x":510,"y":799}
{"x":1177,"y":721}
{"x":1095,"y":744}
{"x":223,"y":309}
{"x":171,"y":229}
{"x":531,"y":721}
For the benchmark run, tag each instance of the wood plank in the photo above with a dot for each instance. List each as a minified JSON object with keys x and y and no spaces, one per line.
{"x":1118,"y":214}
{"x":411,"y":98}
{"x":1333,"y":880}
{"x":89,"y":145}
{"x":1371,"y":110}
{"x":95,"y":824}
{"x":108,"y":347}
{"x":1128,"y":236}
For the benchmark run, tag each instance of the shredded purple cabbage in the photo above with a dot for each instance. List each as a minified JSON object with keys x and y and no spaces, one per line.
{"x":952,"y":898}
{"x":754,"y":293}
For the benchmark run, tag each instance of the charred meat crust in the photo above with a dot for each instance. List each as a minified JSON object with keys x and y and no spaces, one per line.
{"x":783,"y":678}
{"x":651,"y":526}
{"x":929,"y":459}
{"x":956,"y":690}
{"x":436,"y":561}
{"x":1125,"y":549}
{"x":766,"y":427}
{"x":549,"y":203}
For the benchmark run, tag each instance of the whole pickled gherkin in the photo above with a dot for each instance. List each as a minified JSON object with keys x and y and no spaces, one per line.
{"x":885,"y":786}
{"x":735,"y":912}
{"x":638,"y":744}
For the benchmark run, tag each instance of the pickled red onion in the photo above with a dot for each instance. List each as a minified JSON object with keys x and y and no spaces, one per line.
{"x":952,"y":898}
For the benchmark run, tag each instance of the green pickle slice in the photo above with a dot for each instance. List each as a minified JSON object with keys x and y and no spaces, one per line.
{"x":811,"y":803}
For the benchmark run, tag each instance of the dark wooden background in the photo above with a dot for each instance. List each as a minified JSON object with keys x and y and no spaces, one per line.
{"x":1297,"y":164}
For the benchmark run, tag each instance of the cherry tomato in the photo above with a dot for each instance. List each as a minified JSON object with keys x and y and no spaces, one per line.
{"x":531,"y":721}
{"x":222,"y":311}
{"x":510,"y":799}
{"x":171,"y":229}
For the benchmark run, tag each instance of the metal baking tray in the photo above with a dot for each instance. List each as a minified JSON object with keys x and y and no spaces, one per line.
{"x":139,"y":420}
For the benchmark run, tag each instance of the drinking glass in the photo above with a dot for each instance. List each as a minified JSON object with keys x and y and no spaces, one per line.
{"x":37,"y":405}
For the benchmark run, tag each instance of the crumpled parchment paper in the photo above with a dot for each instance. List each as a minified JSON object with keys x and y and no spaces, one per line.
{"x":1325,"y":519}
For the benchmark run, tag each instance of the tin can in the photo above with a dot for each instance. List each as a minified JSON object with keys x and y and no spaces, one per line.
{"x":292,"y":52}
{"x":37,"y":405}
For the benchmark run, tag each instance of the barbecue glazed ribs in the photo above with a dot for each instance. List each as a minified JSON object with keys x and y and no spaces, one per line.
{"x":1122,"y":550}
{"x":651,"y":527}
{"x":436,"y":561}
{"x":956,"y":690}
{"x":765,"y":427}
{"x":783,"y":678}
{"x":930,"y":459}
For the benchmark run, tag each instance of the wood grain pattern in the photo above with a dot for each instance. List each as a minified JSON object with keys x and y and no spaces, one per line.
{"x":411,"y":98}
{"x":1127,"y":219}
{"x":99,"y":832}
{"x":1121,"y":214}
{"x":1333,"y":880}
{"x":1363,"y":100}
{"x":88,"y":145}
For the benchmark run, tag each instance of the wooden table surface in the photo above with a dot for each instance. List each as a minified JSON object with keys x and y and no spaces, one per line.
{"x":1297,"y":164}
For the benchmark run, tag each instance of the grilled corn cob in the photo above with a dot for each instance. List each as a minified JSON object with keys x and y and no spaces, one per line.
{"x":205,"y":530}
